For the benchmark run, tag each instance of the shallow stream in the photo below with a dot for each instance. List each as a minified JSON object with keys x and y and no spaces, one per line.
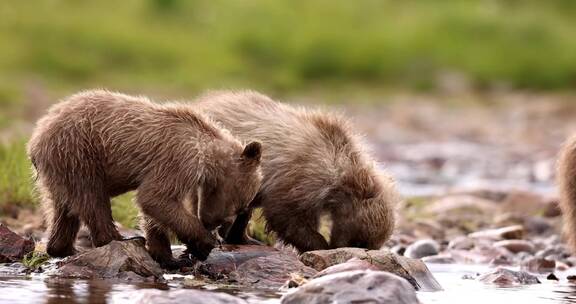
{"x":38,"y":289}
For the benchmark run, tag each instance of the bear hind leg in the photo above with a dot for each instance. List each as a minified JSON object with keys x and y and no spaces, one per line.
{"x":96,"y":213}
{"x":63,"y":231}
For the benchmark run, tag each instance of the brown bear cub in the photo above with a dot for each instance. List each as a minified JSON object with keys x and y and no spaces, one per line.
{"x":314,"y":164}
{"x":190,"y":175}
{"x":566,"y":177}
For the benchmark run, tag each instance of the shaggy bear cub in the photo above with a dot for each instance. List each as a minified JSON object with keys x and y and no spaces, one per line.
{"x":191,"y":176}
{"x":314,"y":164}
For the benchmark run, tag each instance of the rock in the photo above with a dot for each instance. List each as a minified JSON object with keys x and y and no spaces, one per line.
{"x":461,"y":243}
{"x":554,"y":252}
{"x":539,"y":265}
{"x":552,"y":277}
{"x":480,"y":255}
{"x":439,"y":259}
{"x":12,"y":246}
{"x":398,"y":249}
{"x":354,"y":287}
{"x":414,"y":271}
{"x":254,"y":266}
{"x":119,"y":260}
{"x":350,"y":265}
{"x":185,"y":296}
{"x":516,"y":246}
{"x":505,"y":277}
{"x":552,"y":208}
{"x":422,"y":248}
{"x":524,"y":203}
{"x":536,"y":225}
{"x":515,"y":232}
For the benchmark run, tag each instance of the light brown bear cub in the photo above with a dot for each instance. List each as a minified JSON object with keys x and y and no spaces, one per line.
{"x":314,"y":164}
{"x":190,"y":175}
{"x":566,"y":176}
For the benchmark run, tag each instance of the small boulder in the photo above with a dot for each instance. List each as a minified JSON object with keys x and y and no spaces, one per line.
{"x":506,"y":277}
{"x":516,"y":246}
{"x":127,"y":260}
{"x":422,"y":248}
{"x":253,"y":265}
{"x":12,"y":246}
{"x":412,"y":270}
{"x":188,"y":296}
{"x":461,"y":243}
{"x":354,"y":287}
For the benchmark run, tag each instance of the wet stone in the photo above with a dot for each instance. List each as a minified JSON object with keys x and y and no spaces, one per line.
{"x":350,"y":265}
{"x":422,"y":248}
{"x":188,"y":296}
{"x":412,"y":270}
{"x":12,"y":246}
{"x":124,"y":260}
{"x":13,"y":269}
{"x":253,"y":265}
{"x":354,"y":287}
{"x":506,"y":277}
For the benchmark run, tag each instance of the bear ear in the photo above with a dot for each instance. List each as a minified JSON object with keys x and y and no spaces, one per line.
{"x":252,"y":151}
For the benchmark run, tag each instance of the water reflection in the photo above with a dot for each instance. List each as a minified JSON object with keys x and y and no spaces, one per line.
{"x":456,"y":290}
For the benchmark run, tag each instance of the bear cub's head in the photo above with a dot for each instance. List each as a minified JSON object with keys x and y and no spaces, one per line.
{"x":230,"y":191}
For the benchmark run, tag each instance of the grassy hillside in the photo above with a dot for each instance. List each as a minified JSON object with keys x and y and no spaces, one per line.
{"x":285,"y":45}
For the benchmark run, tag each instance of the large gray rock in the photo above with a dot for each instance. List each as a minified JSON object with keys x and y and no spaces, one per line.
{"x":253,"y":266}
{"x":354,"y":287}
{"x":127,"y":260}
{"x":12,"y":246}
{"x":412,"y":270}
{"x":183,"y":296}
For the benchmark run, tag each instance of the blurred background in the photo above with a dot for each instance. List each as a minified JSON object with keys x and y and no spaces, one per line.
{"x":452,"y":95}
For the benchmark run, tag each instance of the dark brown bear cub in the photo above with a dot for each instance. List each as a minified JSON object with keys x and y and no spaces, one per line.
{"x":190,"y":175}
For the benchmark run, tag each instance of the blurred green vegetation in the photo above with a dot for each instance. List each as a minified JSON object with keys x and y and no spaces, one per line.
{"x":177,"y":45}
{"x":16,"y":184}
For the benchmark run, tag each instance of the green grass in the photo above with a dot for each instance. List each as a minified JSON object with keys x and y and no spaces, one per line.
{"x":124,"y":210}
{"x":184,"y":46}
{"x":35,"y":259}
{"x":15,"y":175}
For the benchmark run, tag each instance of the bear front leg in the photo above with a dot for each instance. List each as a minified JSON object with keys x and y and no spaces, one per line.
{"x":299,"y":230}
{"x":236,"y":233}
{"x":158,"y":244}
{"x":170,"y":213}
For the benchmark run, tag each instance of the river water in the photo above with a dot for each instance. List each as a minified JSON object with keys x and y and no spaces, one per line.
{"x":37,"y":289}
